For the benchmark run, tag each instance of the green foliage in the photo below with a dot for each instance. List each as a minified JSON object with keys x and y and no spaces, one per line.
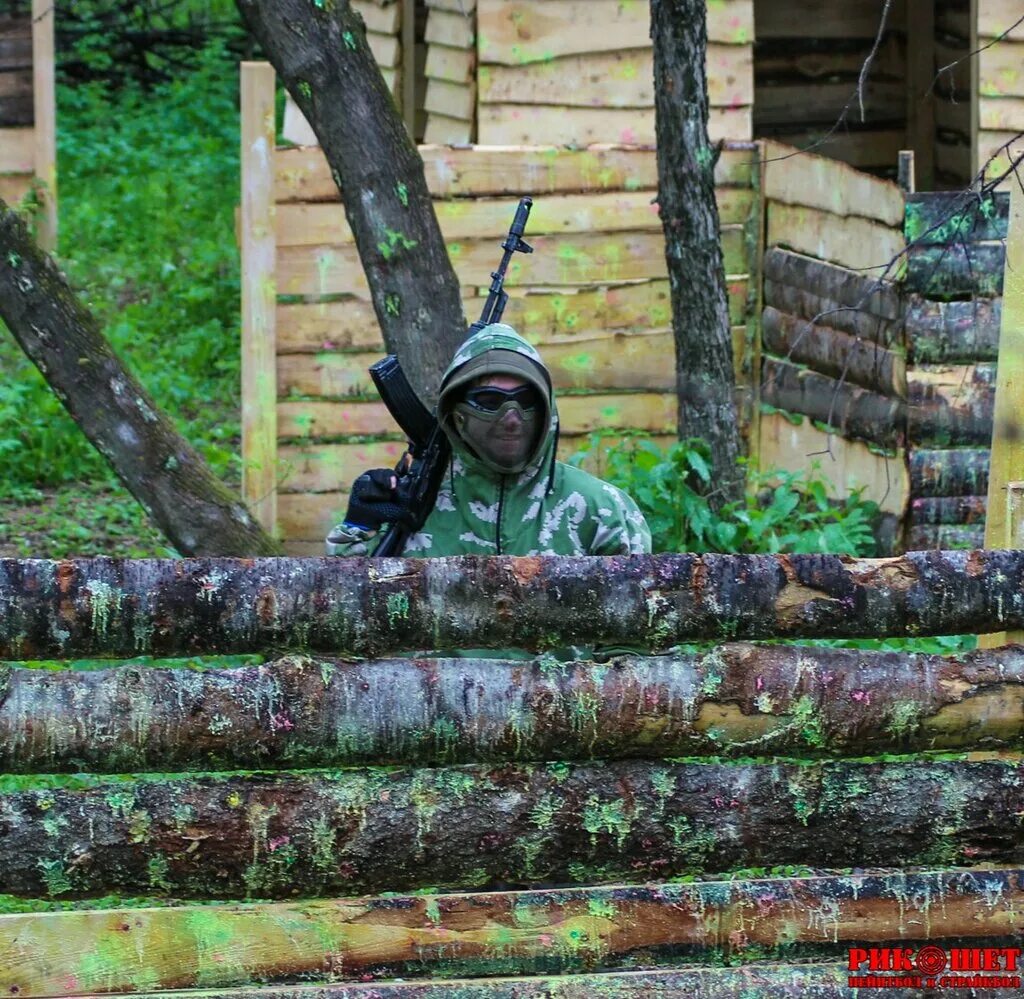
{"x":783,"y":511}
{"x":148,"y":187}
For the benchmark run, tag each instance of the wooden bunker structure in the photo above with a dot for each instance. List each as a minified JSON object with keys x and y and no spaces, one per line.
{"x":897,"y":419}
{"x":28,"y":143}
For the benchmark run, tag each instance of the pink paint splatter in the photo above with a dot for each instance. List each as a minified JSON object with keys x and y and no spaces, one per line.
{"x":861,"y":696}
{"x":277,"y":842}
{"x":281,"y":722}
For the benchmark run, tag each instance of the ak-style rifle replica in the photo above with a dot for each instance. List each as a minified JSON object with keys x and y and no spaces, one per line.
{"x":421,"y":469}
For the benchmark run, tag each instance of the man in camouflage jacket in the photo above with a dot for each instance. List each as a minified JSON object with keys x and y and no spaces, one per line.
{"x":505,"y":492}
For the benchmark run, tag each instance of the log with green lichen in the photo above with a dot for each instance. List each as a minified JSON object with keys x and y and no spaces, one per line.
{"x":370,"y":607}
{"x":542,"y":932}
{"x":943,"y":332}
{"x":516,"y":825}
{"x":949,"y":472}
{"x":301,"y":712}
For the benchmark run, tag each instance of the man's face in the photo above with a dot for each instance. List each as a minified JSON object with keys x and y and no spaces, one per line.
{"x":505,"y":434}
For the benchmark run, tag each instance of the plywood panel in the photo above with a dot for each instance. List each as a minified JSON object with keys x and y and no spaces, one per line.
{"x":1001,"y":70}
{"x":514,"y":33}
{"x":826,"y":184}
{"x":853,"y":242}
{"x":584,"y":258}
{"x":613,"y":79}
{"x":17,"y":147}
{"x":303,"y":174}
{"x":324,"y":222}
{"x":524,"y":124}
{"x":846,"y":464}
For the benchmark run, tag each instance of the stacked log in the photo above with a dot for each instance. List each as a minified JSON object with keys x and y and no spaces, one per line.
{"x":954,"y":279}
{"x":579,"y":72}
{"x":450,"y":102}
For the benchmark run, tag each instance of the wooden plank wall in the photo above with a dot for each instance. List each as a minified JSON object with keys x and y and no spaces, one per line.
{"x":576,"y":72}
{"x":952,"y":96}
{"x":383,"y":19}
{"x":954,"y":280}
{"x":450,"y":71}
{"x":593,"y":296}
{"x":807,"y":59}
{"x":832,"y":372}
{"x":28,"y":154}
{"x":1000,"y":72}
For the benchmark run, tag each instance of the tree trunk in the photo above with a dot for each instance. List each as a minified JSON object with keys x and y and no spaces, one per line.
{"x":109,"y":608}
{"x":736,"y":700}
{"x":195,"y":510}
{"x":689,"y":216}
{"x":518,"y":825}
{"x":551,"y":932}
{"x":321,"y":54}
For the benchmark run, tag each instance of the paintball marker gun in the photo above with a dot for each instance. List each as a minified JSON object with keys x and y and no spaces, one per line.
{"x":421,"y":469}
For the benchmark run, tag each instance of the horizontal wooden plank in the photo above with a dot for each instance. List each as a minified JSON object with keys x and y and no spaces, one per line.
{"x":845,"y":464}
{"x":808,"y":59}
{"x":455,"y":6}
{"x":997,"y":17}
{"x":16,"y":82}
{"x":830,"y":185}
{"x":949,"y":472}
{"x":543,"y":317}
{"x":938,"y":218}
{"x":216,"y":946}
{"x":453,"y":100}
{"x":999,"y":70}
{"x":450,"y":28}
{"x":997,"y":154}
{"x":447,"y":63}
{"x":17,"y":150}
{"x":574,"y":259}
{"x":951,"y":405}
{"x":956,"y":270}
{"x":441,"y":128}
{"x":525,"y":124}
{"x":795,"y":104}
{"x":386,"y":49}
{"x":653,"y":412}
{"x":822,"y":19}
{"x":923,"y":537}
{"x":383,"y":18}
{"x":522,"y":31}
{"x":850,"y":410}
{"x":948,"y":510}
{"x":313,"y":223}
{"x":1001,"y":113}
{"x":953,"y":162}
{"x":613,"y":79}
{"x":17,"y":110}
{"x":940,"y":332}
{"x":875,"y":149}
{"x":857,"y":243}
{"x":834,"y":353}
{"x":303,"y":174}
{"x":14,"y":187}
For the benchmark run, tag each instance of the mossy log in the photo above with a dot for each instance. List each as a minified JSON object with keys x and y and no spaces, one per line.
{"x":852,"y":410}
{"x":831,"y":352}
{"x":516,"y":825}
{"x":948,"y":510}
{"x":544,"y":932}
{"x":952,"y":472}
{"x":957,"y":332}
{"x":941,"y":536}
{"x":956,"y":270}
{"x":372,"y":607}
{"x":298,"y":712}
{"x":951,"y":405}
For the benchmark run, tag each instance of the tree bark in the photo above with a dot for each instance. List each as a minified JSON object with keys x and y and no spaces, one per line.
{"x":689,"y":215}
{"x":119,"y":608}
{"x":736,"y":700}
{"x":195,"y":510}
{"x":551,"y":932}
{"x":518,"y":825}
{"x":321,"y":54}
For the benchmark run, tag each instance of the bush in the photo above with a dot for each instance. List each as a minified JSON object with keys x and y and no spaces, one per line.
{"x":782,"y":512}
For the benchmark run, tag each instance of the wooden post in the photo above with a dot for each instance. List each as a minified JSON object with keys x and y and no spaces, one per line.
{"x":920,"y":98}
{"x":905,"y":176}
{"x":1007,"y":461}
{"x":975,"y":96}
{"x":409,"y":66}
{"x":45,"y":129}
{"x":259,"y":294}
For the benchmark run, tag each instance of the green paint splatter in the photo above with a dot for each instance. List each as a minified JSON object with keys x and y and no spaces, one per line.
{"x":394,"y":242}
{"x":403,"y":194}
{"x":305,"y":89}
{"x":392,"y":304}
{"x":398,"y":607}
{"x":350,"y":40}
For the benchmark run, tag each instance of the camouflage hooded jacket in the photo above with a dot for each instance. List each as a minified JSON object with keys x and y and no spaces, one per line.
{"x":550,"y":508}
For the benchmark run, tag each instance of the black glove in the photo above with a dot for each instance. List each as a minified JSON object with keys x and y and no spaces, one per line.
{"x":372,"y":501}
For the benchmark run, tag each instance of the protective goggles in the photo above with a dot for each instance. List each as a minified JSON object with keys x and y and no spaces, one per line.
{"x":488,"y":399}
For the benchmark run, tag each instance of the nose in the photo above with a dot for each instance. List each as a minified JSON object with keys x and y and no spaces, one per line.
{"x":511,"y":418}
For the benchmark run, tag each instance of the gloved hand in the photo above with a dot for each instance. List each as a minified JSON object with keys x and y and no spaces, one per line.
{"x":373,"y":500}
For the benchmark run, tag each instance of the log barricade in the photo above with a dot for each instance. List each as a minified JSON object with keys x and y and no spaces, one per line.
{"x":611,"y":824}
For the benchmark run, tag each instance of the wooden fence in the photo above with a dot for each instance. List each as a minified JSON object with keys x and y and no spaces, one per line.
{"x":593,"y":298}
{"x":28,"y":143}
{"x":592,"y":825}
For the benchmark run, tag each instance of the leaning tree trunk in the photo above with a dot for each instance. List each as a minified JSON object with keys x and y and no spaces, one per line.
{"x":195,"y":510}
{"x":689,"y":217}
{"x":321,"y":53}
